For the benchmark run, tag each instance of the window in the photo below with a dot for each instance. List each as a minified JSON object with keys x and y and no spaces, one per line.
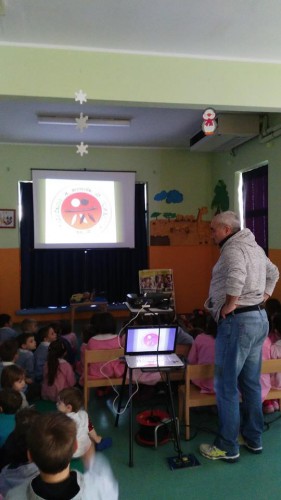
{"x":255,"y":203}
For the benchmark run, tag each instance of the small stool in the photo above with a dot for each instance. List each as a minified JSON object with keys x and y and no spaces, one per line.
{"x":165,"y":421}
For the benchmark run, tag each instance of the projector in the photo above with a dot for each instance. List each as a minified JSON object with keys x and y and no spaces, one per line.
{"x":156,"y":300}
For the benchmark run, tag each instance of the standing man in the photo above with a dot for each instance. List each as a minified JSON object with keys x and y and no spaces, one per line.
{"x":242,"y":280}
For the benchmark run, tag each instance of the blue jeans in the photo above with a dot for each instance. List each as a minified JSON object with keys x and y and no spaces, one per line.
{"x":237,"y":371}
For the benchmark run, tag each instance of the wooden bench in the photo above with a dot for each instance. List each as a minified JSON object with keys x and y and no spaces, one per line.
{"x":100,"y":356}
{"x":191,"y":397}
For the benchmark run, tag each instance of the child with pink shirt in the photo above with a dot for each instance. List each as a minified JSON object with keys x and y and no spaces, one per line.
{"x":275,"y":353}
{"x":202,"y":352}
{"x":58,"y":374}
{"x":265,"y":380}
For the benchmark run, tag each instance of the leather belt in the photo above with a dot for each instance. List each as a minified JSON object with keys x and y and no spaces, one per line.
{"x":244,"y":309}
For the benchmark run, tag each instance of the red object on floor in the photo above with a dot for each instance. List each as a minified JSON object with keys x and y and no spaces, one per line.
{"x":148,"y":420}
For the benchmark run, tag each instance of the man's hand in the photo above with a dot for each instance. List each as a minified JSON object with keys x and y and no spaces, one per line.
{"x":227,"y":309}
{"x":229,"y":306}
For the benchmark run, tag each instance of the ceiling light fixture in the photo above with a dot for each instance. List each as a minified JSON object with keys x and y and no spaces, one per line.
{"x":93,"y":121}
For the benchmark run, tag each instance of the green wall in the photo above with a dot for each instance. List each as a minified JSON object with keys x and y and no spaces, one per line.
{"x":142,"y":79}
{"x":251,"y":155}
{"x":162,"y":169}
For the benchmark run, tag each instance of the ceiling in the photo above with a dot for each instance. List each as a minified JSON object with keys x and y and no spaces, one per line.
{"x":216,"y":29}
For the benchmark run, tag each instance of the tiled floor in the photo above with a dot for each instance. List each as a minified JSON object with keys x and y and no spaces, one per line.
{"x":253,"y":477}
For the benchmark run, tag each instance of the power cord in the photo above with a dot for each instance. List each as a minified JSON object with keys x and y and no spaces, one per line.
{"x":268,"y":424}
{"x":143,"y":309}
{"x":116,"y":391}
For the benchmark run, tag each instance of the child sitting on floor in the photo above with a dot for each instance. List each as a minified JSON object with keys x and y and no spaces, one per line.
{"x":10,"y":403}
{"x":15,"y":464}
{"x":27,"y":345}
{"x":70,"y":401}
{"x":8,"y":354}
{"x":25,"y":359}
{"x":58,"y":374}
{"x":51,"y":443}
{"x":272,"y":405}
{"x":44,"y":337}
{"x":13,"y":377}
{"x":29,"y":325}
{"x":202,"y":352}
{"x":69,"y":335}
{"x":6,"y":330}
{"x":60,"y":327}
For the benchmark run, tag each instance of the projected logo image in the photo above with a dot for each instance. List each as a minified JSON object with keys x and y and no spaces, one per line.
{"x":150,"y":340}
{"x":81,"y":210}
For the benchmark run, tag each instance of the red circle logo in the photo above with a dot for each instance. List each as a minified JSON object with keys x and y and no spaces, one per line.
{"x":151,"y":340}
{"x":81,"y":210}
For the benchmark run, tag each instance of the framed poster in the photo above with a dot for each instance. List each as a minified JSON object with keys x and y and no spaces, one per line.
{"x":7,"y":218}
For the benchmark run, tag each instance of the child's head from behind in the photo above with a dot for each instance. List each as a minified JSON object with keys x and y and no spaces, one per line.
{"x":27,"y":341}
{"x":88,"y":332}
{"x":5,"y":320}
{"x":56,"y":325}
{"x":70,"y":400}
{"x":211,"y":327}
{"x":13,"y":377}
{"x":47,"y":334}
{"x":272,"y":306}
{"x":276,"y":324}
{"x":56,"y":351}
{"x":10,"y":401}
{"x":103,"y":323}
{"x":9,"y":350}
{"x":29,"y":325}
{"x":56,"y":434}
{"x":65,"y":327}
{"x":24,"y":419}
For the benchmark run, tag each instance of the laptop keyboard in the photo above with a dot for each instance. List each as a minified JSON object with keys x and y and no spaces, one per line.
{"x":154,"y":359}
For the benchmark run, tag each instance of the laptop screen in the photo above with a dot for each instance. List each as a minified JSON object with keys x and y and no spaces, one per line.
{"x":151,"y":340}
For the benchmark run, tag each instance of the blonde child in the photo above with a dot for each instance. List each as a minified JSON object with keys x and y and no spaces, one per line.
{"x":58,"y":374}
{"x":13,"y":377}
{"x":70,"y":401}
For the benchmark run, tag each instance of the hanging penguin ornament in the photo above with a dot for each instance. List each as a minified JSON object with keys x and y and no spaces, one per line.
{"x":209,"y":124}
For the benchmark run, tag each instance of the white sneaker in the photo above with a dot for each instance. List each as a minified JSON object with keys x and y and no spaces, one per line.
{"x":214,"y":453}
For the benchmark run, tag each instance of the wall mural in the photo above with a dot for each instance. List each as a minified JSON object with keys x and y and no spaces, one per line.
{"x":170,"y":228}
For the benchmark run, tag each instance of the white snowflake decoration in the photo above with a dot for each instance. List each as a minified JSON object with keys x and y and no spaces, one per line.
{"x":82,"y":149}
{"x":81,"y":122}
{"x":80,"y":96}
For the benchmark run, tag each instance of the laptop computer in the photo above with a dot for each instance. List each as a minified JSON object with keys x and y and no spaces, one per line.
{"x":152,"y":347}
